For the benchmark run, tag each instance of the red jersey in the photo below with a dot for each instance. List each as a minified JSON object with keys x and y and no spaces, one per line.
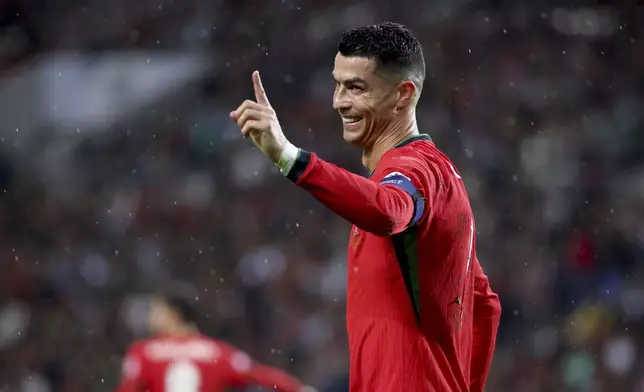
{"x":420,"y":313}
{"x":195,"y":364}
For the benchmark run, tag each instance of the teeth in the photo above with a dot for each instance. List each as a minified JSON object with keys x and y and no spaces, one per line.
{"x":350,"y":120}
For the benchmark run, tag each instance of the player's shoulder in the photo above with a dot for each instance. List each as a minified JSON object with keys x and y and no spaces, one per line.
{"x":416,"y":155}
{"x":197,"y":347}
{"x":223,"y":348}
{"x":227,"y":349}
{"x":137,"y":346}
{"x":141,"y":344}
{"x":413,"y":150}
{"x":420,"y":147}
{"x":422,"y":154}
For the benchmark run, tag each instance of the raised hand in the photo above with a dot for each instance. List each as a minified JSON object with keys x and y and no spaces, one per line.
{"x":258,"y":120}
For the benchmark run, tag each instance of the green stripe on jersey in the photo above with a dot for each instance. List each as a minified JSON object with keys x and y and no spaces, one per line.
{"x":406,"y":248}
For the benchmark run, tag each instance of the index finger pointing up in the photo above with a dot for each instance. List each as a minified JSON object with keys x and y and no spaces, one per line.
{"x":260,"y":93}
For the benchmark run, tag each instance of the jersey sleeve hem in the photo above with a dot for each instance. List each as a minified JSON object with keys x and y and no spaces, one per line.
{"x":300,"y":166}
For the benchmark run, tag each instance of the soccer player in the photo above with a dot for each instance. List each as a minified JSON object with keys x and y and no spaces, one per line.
{"x":180,"y":359}
{"x":420,"y":312}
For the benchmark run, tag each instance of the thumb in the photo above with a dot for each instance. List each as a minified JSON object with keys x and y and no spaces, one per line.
{"x":260,"y":93}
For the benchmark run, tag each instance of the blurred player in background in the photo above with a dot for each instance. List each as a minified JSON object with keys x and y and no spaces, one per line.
{"x":420,"y":312}
{"x":180,"y":359}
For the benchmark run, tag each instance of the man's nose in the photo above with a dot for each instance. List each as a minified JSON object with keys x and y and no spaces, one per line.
{"x":340,"y":102}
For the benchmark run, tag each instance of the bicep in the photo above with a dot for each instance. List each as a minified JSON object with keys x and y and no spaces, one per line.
{"x":413,"y":194}
{"x":414,"y":178}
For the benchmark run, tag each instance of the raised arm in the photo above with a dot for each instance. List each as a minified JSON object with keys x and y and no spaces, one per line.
{"x":383,"y":207}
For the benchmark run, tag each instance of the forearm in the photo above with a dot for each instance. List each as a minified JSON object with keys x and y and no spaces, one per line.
{"x":487,"y":314}
{"x":373,"y":207}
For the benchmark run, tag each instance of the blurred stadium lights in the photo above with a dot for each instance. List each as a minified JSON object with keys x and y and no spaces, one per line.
{"x":590,"y":22}
{"x":85,"y":94}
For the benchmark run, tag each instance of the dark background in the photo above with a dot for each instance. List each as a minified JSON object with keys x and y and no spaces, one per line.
{"x":540,"y":105}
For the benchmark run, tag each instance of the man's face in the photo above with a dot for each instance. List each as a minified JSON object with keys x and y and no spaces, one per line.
{"x":160,"y":317}
{"x":364,"y":99}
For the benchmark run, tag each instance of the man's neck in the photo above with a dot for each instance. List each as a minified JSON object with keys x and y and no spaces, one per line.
{"x":390,"y":138}
{"x":181,"y":330}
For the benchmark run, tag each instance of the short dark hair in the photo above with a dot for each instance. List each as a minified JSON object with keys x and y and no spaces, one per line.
{"x":391,"y":45}
{"x":181,"y":300}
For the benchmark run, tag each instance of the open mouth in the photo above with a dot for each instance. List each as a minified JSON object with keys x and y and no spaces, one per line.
{"x":350,"y":120}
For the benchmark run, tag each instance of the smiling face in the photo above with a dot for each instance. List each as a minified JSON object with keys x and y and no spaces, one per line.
{"x":379,"y":72}
{"x":366,"y":101}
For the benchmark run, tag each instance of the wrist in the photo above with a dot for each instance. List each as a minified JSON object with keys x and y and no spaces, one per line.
{"x":287,"y":158}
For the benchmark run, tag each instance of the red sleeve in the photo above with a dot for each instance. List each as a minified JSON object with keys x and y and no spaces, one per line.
{"x":487,"y":313}
{"x":132,"y":371}
{"x":394,"y":198}
{"x":247,"y":372}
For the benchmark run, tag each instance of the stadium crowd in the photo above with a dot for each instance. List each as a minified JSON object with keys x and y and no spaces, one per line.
{"x":540,"y":109}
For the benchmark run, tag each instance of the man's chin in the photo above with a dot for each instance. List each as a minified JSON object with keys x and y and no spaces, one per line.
{"x":352,"y":136}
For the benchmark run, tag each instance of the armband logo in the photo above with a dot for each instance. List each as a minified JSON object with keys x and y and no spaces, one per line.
{"x":395,"y":178}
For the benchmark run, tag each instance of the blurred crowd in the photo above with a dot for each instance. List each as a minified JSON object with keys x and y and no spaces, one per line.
{"x":539,"y":106}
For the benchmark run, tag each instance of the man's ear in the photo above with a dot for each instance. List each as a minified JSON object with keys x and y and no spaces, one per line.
{"x":406,"y":94}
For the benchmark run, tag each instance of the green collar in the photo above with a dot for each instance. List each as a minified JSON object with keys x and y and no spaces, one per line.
{"x":411,"y":139}
{"x":421,"y":136}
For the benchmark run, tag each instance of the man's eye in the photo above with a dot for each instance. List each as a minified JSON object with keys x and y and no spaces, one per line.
{"x":355,"y":88}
